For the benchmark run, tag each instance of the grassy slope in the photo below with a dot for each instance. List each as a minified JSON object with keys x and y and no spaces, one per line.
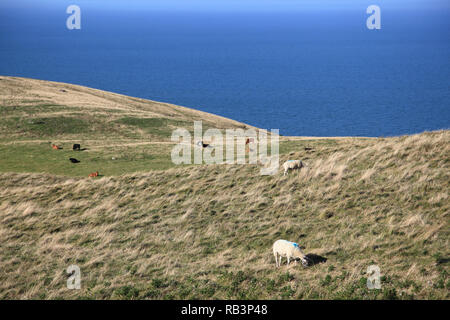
{"x":206,"y":231}
{"x":136,"y":132}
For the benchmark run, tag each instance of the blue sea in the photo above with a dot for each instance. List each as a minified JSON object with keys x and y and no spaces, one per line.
{"x":312,"y":73}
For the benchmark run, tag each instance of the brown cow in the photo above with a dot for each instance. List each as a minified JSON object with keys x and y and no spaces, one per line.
{"x":93,"y":175}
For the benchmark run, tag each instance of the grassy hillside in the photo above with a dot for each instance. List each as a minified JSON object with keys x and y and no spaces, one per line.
{"x":206,"y":231}
{"x":135,"y":132}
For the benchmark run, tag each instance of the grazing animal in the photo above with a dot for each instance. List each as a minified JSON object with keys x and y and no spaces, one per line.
{"x":93,"y":175}
{"x":291,"y":165}
{"x":288,"y":249}
{"x":73,"y":160}
{"x":247,"y":143}
{"x":55,"y":147}
{"x":201,"y":144}
{"x":76,"y":147}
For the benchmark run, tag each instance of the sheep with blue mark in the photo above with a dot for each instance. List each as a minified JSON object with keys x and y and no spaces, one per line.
{"x":288,"y":249}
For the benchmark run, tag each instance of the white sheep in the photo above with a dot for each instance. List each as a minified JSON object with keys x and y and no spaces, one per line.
{"x":288,"y":249}
{"x":291,"y":165}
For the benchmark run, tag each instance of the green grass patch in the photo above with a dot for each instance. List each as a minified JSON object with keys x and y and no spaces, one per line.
{"x":160,"y":127}
{"x":40,"y":157}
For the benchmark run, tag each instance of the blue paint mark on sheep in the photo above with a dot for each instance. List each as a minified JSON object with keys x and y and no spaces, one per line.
{"x":294,"y":244}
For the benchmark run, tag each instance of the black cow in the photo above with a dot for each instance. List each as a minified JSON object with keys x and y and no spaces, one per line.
{"x":201,"y":144}
{"x":73,"y":160}
{"x":76,"y":147}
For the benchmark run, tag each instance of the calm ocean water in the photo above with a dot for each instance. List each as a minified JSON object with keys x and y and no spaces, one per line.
{"x":305,"y":73}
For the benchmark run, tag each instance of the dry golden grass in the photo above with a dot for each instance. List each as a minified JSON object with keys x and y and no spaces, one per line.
{"x":79,"y":100}
{"x":206,"y":231}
